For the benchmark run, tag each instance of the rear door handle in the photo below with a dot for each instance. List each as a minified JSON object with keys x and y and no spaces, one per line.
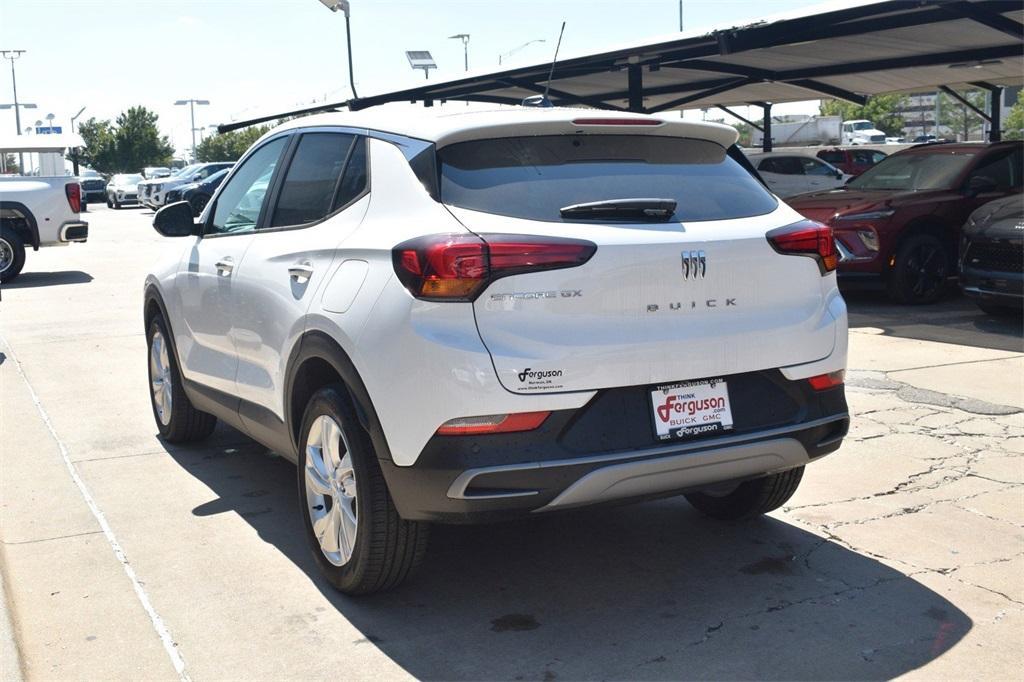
{"x":225,"y":266}
{"x":301,"y":272}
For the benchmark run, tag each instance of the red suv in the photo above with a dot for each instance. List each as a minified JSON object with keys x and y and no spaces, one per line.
{"x":852,"y":161}
{"x":897,"y":225}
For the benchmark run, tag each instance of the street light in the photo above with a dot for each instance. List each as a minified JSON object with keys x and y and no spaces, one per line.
{"x":516,"y":49}
{"x":75,"y":117}
{"x":334,"y":6}
{"x":12,"y":56}
{"x":421,"y":59}
{"x":464,"y":37}
{"x":192,"y":109}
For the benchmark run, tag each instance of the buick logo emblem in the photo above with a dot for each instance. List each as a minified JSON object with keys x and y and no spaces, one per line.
{"x":695,"y":264}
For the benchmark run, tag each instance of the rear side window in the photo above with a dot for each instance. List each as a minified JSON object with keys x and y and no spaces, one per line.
{"x":533,"y":177}
{"x":832,"y":157}
{"x":308,"y":190}
{"x":815,"y":167}
{"x":354,"y":181}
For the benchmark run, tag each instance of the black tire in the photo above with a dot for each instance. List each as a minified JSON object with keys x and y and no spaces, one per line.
{"x":12,"y":254}
{"x":920,"y":271}
{"x":387,"y":548}
{"x":997,"y":310}
{"x":184,"y":423}
{"x":750,"y":498}
{"x":110,"y":202}
{"x":198,"y":203}
{"x":117,"y":204}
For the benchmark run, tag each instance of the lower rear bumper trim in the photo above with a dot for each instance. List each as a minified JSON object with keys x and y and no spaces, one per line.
{"x":652,"y":476}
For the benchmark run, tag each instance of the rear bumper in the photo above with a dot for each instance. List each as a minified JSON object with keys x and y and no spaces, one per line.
{"x":74,"y":231}
{"x":605,"y":452}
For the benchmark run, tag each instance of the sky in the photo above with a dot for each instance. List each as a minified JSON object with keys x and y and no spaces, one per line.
{"x":249,"y":57}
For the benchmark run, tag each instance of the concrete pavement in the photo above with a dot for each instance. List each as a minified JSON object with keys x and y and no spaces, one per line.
{"x":902,"y":554}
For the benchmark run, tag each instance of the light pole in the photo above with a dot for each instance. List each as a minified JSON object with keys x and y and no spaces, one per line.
{"x":334,"y":6}
{"x":464,"y":37}
{"x":192,"y":109}
{"x":74,"y":150}
{"x":516,"y":49}
{"x":12,"y":56}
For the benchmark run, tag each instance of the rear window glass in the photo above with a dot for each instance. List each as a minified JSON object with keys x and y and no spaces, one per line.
{"x":533,"y":177}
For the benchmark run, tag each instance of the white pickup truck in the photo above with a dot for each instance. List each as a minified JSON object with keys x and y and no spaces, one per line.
{"x":37,"y":211}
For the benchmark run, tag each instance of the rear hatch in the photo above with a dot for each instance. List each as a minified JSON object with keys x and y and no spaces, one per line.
{"x":700,"y":294}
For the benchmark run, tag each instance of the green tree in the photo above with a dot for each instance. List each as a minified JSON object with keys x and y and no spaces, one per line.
{"x":11,"y":164}
{"x":132,"y":142}
{"x":958,"y":117}
{"x":99,"y":152}
{"x":138,"y":141}
{"x":1014,"y":123}
{"x":229,"y":146}
{"x":882,"y":110}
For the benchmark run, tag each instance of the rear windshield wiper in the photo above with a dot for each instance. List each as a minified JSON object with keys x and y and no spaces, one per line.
{"x":622,"y":209}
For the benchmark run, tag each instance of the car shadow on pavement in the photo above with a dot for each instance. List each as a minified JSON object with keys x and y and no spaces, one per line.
{"x":953,"y":319}
{"x":647,"y":591}
{"x":28,"y":280}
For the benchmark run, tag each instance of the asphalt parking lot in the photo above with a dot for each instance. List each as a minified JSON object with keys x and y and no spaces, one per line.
{"x":902,"y":554}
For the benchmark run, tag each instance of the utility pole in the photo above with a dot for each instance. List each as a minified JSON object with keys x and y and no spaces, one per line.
{"x":12,"y":56}
{"x":680,"y":16}
{"x":192,"y":109}
{"x":464,"y":37}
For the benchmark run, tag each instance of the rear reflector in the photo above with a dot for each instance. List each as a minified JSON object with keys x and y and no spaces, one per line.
{"x":807,"y":238}
{"x":493,"y":423}
{"x":617,"y":122}
{"x":73,"y":191}
{"x":826,"y":381}
{"x":457,"y":267}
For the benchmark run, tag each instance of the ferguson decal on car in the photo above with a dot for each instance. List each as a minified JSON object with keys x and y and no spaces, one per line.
{"x":691,"y":408}
{"x":539,"y":380}
{"x":691,"y":305}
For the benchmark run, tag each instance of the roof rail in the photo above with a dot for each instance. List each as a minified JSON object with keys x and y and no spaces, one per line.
{"x":236,"y":125}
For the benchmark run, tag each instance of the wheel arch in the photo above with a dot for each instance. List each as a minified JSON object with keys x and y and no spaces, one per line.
{"x":936,"y":226}
{"x":317,"y":361}
{"x":153,"y":305}
{"x":30,"y":232}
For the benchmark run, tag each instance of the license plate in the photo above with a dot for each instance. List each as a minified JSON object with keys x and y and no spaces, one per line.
{"x":690,"y":409}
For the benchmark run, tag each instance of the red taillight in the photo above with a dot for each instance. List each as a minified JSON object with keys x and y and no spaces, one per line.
{"x":616,"y":122}
{"x":457,"y":267}
{"x":74,"y":193}
{"x":493,"y":423}
{"x":807,"y":238}
{"x":825,"y":381}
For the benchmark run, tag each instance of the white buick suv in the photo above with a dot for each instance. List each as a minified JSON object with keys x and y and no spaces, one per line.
{"x":480,"y":316}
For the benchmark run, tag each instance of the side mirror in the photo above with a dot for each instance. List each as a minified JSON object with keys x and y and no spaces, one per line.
{"x":980,"y":184}
{"x":839,"y":174}
{"x":175,"y":220}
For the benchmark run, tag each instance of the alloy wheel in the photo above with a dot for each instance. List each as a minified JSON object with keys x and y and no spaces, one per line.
{"x":926,"y":266}
{"x":160,"y":378}
{"x":6,"y":255}
{"x":331,"y":490}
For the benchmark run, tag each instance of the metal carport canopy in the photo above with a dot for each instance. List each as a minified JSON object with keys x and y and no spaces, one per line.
{"x":845,"y":50}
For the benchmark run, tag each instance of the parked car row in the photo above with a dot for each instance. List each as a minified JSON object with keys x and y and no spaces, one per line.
{"x":197,"y":194}
{"x":153,"y":193}
{"x":898,"y":225}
